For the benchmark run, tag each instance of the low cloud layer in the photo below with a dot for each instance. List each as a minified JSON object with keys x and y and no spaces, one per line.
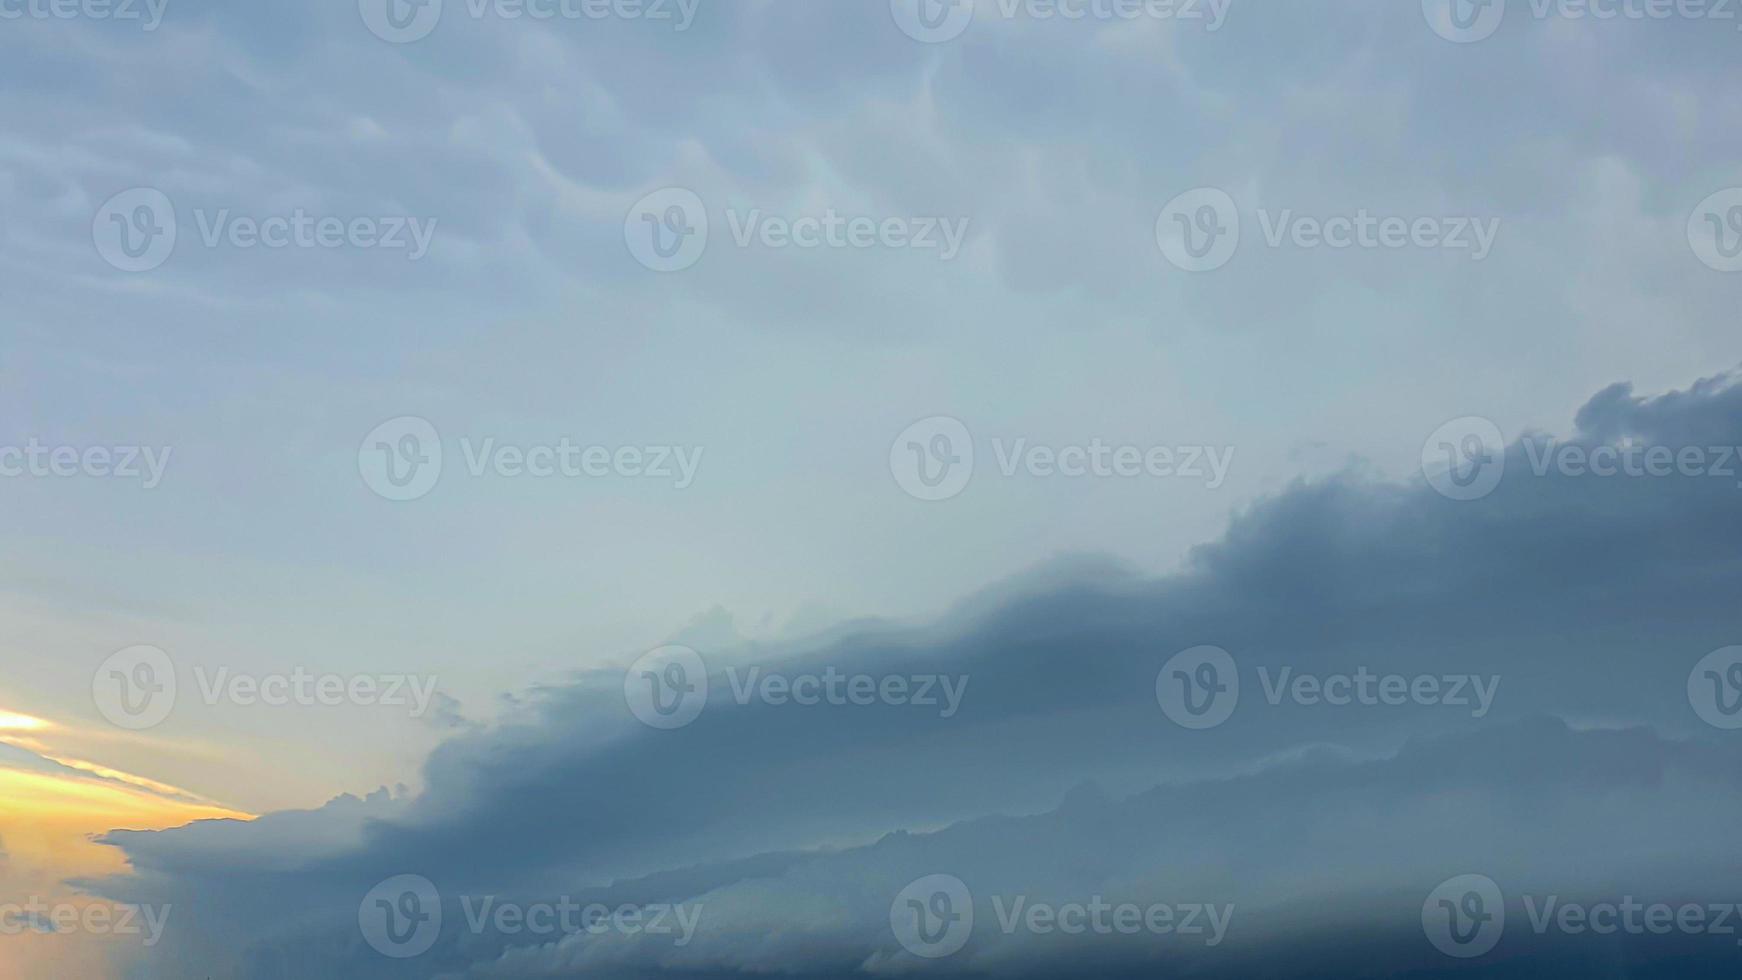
{"x":1567,"y":610}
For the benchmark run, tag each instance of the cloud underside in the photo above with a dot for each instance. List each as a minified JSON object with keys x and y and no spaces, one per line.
{"x":1590,"y":599}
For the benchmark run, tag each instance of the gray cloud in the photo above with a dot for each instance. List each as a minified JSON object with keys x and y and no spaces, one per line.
{"x":1314,"y":847}
{"x":1591,"y":599}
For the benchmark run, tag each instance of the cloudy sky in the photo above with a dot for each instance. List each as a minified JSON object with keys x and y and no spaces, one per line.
{"x":758,"y":457}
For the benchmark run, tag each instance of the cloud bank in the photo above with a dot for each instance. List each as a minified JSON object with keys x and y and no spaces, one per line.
{"x":1580,"y":604}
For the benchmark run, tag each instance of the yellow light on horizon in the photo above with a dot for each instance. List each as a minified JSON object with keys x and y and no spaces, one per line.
{"x":11,"y":721}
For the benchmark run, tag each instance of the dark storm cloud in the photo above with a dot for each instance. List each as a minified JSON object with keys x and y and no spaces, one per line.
{"x":1582,"y":598}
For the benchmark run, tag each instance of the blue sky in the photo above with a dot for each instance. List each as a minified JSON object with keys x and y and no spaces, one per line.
{"x":526,"y":149}
{"x":526,"y":142}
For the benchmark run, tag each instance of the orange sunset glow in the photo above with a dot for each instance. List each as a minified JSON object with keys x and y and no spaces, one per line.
{"x":52,"y":809}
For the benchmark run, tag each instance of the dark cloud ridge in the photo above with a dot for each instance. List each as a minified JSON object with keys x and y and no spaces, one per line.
{"x":1589,"y":598}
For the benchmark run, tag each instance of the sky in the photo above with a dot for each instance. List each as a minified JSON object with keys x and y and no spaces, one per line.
{"x":401,"y":403}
